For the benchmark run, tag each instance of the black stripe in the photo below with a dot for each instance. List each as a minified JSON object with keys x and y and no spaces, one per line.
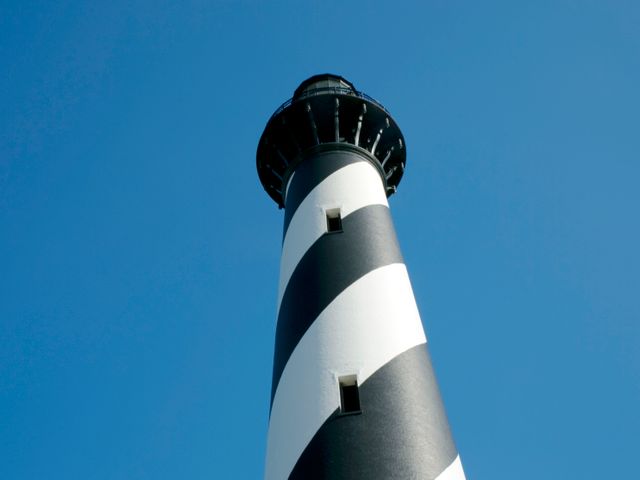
{"x":336,"y":260}
{"x":402,"y":432}
{"x":309,"y":174}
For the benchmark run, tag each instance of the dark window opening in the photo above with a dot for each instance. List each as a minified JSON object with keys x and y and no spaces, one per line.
{"x":334,"y":220}
{"x":349,"y":395}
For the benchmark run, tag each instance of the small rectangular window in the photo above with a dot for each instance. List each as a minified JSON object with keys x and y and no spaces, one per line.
{"x":334,"y":220}
{"x":349,"y":394}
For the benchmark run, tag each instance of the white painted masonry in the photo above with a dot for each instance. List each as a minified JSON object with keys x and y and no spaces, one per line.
{"x":353,"y":335}
{"x":352,"y":187}
{"x":453,"y":471}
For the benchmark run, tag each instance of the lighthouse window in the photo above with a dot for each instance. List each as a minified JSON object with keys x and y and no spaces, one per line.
{"x":349,"y":394}
{"x":334,"y":220}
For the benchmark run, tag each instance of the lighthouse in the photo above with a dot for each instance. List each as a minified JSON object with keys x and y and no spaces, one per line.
{"x":353,"y":395}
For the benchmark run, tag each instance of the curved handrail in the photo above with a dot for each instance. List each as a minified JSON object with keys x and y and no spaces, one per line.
{"x":324,"y":90}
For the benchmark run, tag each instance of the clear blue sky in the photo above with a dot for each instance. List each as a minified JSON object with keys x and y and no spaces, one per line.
{"x":139,"y":255}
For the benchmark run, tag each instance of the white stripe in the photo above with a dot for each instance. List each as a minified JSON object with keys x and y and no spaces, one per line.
{"x":349,"y":188}
{"x":453,"y":471}
{"x":367,"y":325}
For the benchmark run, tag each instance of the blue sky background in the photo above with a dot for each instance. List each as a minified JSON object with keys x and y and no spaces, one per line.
{"x":139,"y":254}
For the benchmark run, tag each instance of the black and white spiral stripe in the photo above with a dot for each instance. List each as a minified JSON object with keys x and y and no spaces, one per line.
{"x":346,"y":307}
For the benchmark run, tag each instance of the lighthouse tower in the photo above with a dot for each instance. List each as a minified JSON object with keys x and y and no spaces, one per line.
{"x":354,"y":395}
